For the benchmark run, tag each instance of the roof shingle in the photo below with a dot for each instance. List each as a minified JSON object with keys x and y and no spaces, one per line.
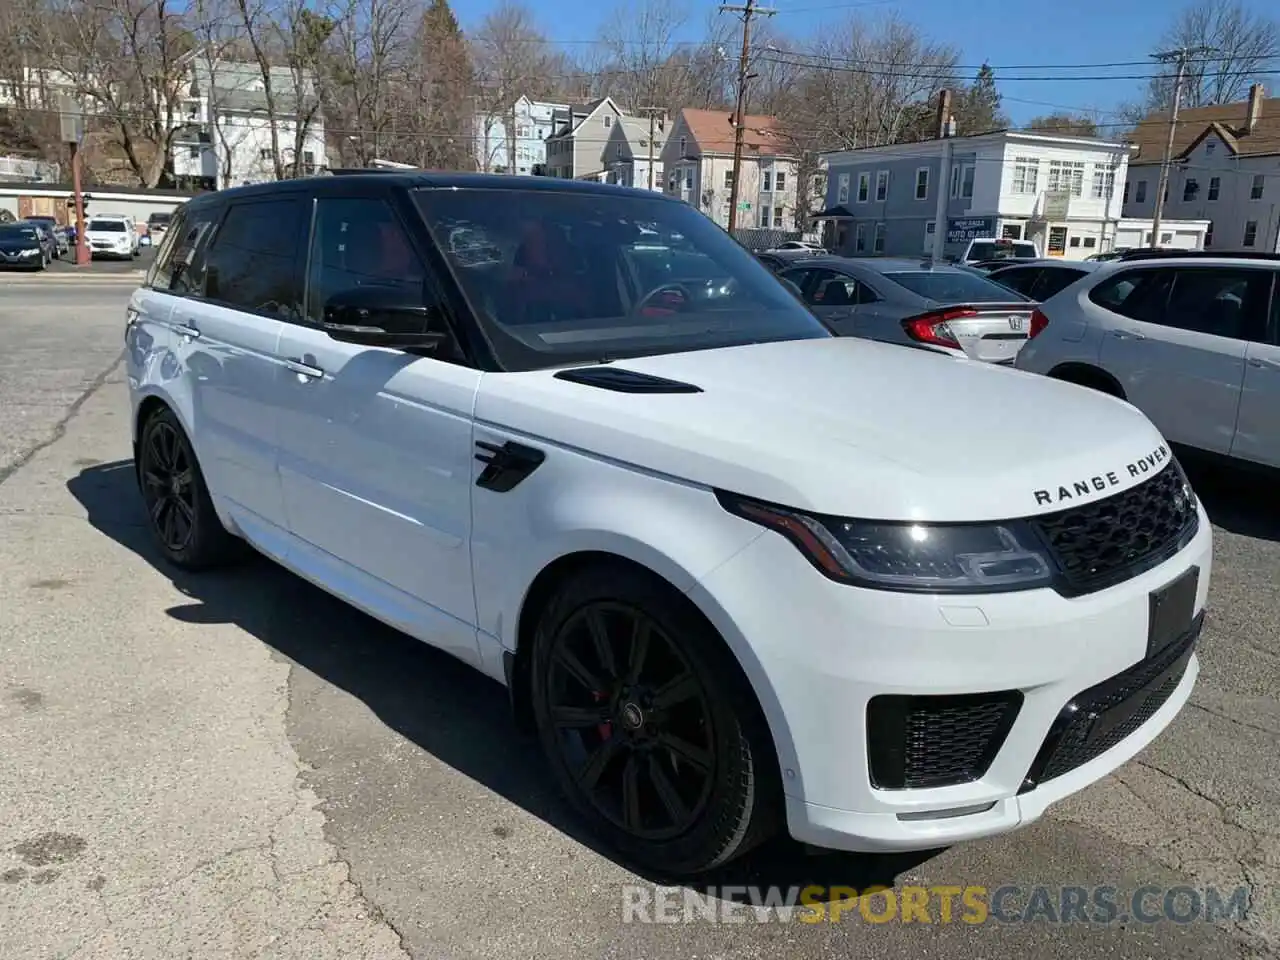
{"x":1227,"y":120}
{"x":714,"y":132}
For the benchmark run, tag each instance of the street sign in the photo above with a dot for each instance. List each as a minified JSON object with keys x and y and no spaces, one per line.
{"x":1056,"y":205}
{"x":70,"y":120}
{"x":744,"y":205}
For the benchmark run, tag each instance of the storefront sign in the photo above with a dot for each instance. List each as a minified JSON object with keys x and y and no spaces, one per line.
{"x":963,"y":229}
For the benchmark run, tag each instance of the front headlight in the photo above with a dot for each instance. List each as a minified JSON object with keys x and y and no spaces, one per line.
{"x":33,"y":252}
{"x":909,"y":557}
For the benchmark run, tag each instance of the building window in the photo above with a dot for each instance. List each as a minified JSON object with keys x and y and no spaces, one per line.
{"x":522,"y":131}
{"x":922,"y":183}
{"x":777,"y":216}
{"x":688,"y":178}
{"x":1126,"y":191}
{"x":1140,"y":195}
{"x":842,"y":189}
{"x":728,"y":179}
{"x":878,"y":243}
{"x":682,"y":143}
{"x":1104,"y":182}
{"x":1259,"y":184}
{"x":1250,"y":233}
{"x":764,"y":216}
{"x":1026,"y":175}
{"x":1190,"y":189}
{"x":768,"y":181}
{"x":608,"y":121}
{"x":860,"y":238}
{"x":1210,"y":147}
{"x":864,"y":187}
{"x":193,"y":152}
{"x":882,"y":185}
{"x":1090,"y":242}
{"x":1066,"y":176}
{"x":1215,"y":184}
{"x":955,"y":182}
{"x":780,"y":180}
{"x":966,"y":181}
{"x":1075,"y":241}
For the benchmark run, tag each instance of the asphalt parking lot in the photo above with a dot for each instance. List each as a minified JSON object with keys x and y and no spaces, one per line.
{"x":237,"y":765}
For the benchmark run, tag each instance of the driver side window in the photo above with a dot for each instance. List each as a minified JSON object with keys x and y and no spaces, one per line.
{"x":359,"y":242}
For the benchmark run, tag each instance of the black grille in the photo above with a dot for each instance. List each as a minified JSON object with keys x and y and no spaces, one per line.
{"x":922,"y":742}
{"x":1100,"y":544}
{"x":1100,"y":717}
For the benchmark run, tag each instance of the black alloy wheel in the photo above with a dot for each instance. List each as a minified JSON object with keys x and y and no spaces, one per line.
{"x":632,"y":720}
{"x":167,"y":472}
{"x":179,"y":509}
{"x":650,"y":726}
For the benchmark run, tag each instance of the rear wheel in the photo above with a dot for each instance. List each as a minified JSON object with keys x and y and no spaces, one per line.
{"x":1093,"y":379}
{"x":180,"y":513}
{"x":650,"y":727}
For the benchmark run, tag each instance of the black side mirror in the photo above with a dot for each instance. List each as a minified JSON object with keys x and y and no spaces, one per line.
{"x":390,"y":316}
{"x":793,"y":287}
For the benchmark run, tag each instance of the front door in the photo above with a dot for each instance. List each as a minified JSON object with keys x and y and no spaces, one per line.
{"x":1258,"y":428}
{"x":376,"y":456}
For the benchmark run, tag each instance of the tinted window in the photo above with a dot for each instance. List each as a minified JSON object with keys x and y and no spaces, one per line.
{"x":954,"y":286}
{"x":1136,"y":294}
{"x":17,"y":233}
{"x":571,"y":275}
{"x":989,"y":249}
{"x":1021,"y":279}
{"x":1054,"y":280}
{"x":360,"y":243}
{"x":179,"y":263}
{"x":106,"y":226}
{"x":252,"y":263}
{"x":1220,"y":301}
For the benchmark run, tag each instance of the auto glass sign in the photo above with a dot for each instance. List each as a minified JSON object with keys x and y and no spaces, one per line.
{"x":960,"y":230}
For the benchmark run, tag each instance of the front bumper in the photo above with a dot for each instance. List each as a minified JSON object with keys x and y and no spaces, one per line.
{"x":818,"y":652}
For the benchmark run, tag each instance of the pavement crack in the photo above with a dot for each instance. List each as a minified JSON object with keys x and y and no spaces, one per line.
{"x":60,"y":428}
{"x":1230,"y":719}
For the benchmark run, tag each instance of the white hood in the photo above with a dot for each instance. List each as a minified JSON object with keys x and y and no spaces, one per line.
{"x":848,"y":427}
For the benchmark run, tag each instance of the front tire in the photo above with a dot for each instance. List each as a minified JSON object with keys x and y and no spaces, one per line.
{"x":649,"y":724}
{"x":180,"y":513}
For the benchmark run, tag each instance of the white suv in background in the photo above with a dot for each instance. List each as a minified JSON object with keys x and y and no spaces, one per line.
{"x":111,"y":235}
{"x":1192,"y":340}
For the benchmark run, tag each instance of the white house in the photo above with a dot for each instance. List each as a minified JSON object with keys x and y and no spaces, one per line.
{"x":698,"y":160}
{"x":496,"y":136}
{"x":933,"y":197}
{"x":1226,"y":170}
{"x":226,"y":134}
{"x":633,"y":155}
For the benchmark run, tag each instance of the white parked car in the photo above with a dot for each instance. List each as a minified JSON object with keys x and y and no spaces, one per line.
{"x":738,"y":574}
{"x":1192,"y":340}
{"x":111,"y":236}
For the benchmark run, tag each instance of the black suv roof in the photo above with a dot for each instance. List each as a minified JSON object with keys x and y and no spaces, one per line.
{"x":426,"y":179}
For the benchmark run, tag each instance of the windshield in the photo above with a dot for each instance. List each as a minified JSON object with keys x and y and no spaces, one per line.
{"x":9,"y":232}
{"x":106,"y":226}
{"x":954,"y":287}
{"x":560,"y":277}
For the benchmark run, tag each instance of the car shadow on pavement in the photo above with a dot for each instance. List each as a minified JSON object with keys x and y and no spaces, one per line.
{"x":440,"y":704}
{"x":1238,"y":499}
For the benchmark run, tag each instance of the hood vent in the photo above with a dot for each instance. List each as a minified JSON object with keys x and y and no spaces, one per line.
{"x":625,"y":381}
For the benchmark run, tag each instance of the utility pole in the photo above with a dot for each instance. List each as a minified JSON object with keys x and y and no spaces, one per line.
{"x":748,"y":11}
{"x":654,"y":113}
{"x":1180,"y":56}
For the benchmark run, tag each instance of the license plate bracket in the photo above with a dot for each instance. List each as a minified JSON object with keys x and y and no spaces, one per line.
{"x":1172,"y":609}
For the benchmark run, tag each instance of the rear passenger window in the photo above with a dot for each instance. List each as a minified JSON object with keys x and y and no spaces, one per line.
{"x":1220,"y":301}
{"x":1136,"y":294}
{"x":253,"y":262}
{"x":1020,"y":280}
{"x":1054,"y":281}
{"x":178,"y":267}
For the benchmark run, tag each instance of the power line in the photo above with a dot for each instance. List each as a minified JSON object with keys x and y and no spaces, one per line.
{"x":1180,"y":56}
{"x":748,"y":12}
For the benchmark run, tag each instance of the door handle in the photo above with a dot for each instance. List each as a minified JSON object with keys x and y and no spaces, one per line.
{"x":1263,"y":363}
{"x":1128,"y":335}
{"x":188,"y":331}
{"x":303,"y":369}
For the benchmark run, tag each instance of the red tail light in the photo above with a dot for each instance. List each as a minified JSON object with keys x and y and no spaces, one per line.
{"x":932,"y":327}
{"x":1038,"y":322}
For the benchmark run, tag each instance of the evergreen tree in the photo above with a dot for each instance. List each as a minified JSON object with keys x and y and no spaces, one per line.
{"x":978,"y":107}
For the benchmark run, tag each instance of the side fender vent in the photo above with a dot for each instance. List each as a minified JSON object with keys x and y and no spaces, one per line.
{"x":625,"y":381}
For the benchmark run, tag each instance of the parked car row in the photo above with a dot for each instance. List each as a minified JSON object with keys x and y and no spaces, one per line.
{"x":738,"y":574}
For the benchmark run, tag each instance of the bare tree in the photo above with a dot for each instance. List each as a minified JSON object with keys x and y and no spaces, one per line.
{"x":1066,"y":124}
{"x":373,"y":40}
{"x":512,"y":59}
{"x":640,"y":46}
{"x":130,"y":60}
{"x":1245,"y":44}
{"x":436,"y":100}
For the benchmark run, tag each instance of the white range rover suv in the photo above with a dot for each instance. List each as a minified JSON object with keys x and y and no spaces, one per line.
{"x":738,"y":574}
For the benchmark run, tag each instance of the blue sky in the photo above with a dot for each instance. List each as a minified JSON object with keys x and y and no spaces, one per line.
{"x":1002,"y":32}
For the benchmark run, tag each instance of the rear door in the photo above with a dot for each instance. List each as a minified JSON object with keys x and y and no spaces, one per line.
{"x":1178,"y":347}
{"x":1257,"y":436}
{"x":249,"y":283}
